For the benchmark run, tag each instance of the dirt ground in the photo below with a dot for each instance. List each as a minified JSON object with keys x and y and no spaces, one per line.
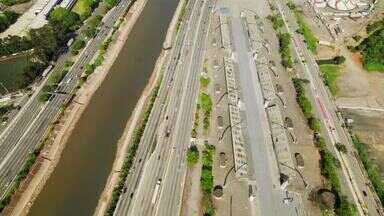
{"x":21,"y":8}
{"x":369,"y":127}
{"x":358,"y":87}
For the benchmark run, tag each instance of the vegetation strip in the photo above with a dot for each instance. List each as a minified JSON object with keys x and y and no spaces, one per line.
{"x":309,"y":38}
{"x":329,"y":164}
{"x":206,"y":180}
{"x":305,"y":104}
{"x":284,"y":40}
{"x":131,"y":155}
{"x":206,"y":105}
{"x":372,"y":170}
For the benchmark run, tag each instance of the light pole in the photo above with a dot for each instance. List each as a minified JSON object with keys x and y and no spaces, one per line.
{"x":296,"y":170}
{"x":229,"y":171}
{"x":290,"y":133}
{"x":226,"y":128}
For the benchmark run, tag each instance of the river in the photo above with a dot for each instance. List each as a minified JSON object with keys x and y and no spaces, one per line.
{"x":79,"y":178}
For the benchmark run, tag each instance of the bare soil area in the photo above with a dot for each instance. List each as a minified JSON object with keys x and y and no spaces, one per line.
{"x":358,"y":87}
{"x":21,"y":8}
{"x":369,"y":127}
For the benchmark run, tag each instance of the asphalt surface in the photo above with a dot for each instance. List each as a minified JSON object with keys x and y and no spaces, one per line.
{"x":265,"y":170}
{"x":353,"y":176}
{"x":173,"y":112}
{"x":31,"y":125}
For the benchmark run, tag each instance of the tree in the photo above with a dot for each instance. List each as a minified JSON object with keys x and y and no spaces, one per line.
{"x":372,"y":49}
{"x":63,"y":21}
{"x":31,"y":71}
{"x":77,"y":45}
{"x":44,"y":41}
{"x":64,"y":18}
{"x":13,"y":44}
{"x":339,"y":59}
{"x":7,"y":18}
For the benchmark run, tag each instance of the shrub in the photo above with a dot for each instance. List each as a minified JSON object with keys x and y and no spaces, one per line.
{"x":77,"y":45}
{"x":341,"y":147}
{"x":205,"y":102}
{"x":314,"y":124}
{"x":192,"y":155}
{"x":284,"y":42}
{"x":204,"y":81}
{"x":277,"y":21}
{"x":344,"y":207}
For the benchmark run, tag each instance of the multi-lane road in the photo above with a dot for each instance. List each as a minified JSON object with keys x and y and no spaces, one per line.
{"x":354,"y":178}
{"x":30,"y":126}
{"x":170,"y":124}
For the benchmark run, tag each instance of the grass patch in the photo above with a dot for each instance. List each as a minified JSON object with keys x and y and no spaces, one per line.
{"x":205,"y":102}
{"x":12,"y":73}
{"x":330,"y":73}
{"x":204,"y":81}
{"x":206,"y":105}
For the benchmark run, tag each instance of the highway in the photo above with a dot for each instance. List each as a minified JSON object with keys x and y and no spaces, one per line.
{"x":169,"y":137}
{"x":30,"y":126}
{"x":353,"y":176}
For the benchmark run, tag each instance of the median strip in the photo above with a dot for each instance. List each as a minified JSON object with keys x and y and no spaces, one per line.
{"x":131,"y":155}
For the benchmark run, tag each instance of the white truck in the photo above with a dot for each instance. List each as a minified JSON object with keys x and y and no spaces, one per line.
{"x":156,"y":191}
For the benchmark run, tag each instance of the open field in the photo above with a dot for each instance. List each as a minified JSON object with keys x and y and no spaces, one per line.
{"x":369,"y":127}
{"x":358,"y":87}
{"x":11,"y":73}
{"x":330,"y":74}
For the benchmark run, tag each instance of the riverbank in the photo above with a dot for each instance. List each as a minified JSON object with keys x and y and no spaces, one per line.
{"x":52,"y":152}
{"x":125,"y":140}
